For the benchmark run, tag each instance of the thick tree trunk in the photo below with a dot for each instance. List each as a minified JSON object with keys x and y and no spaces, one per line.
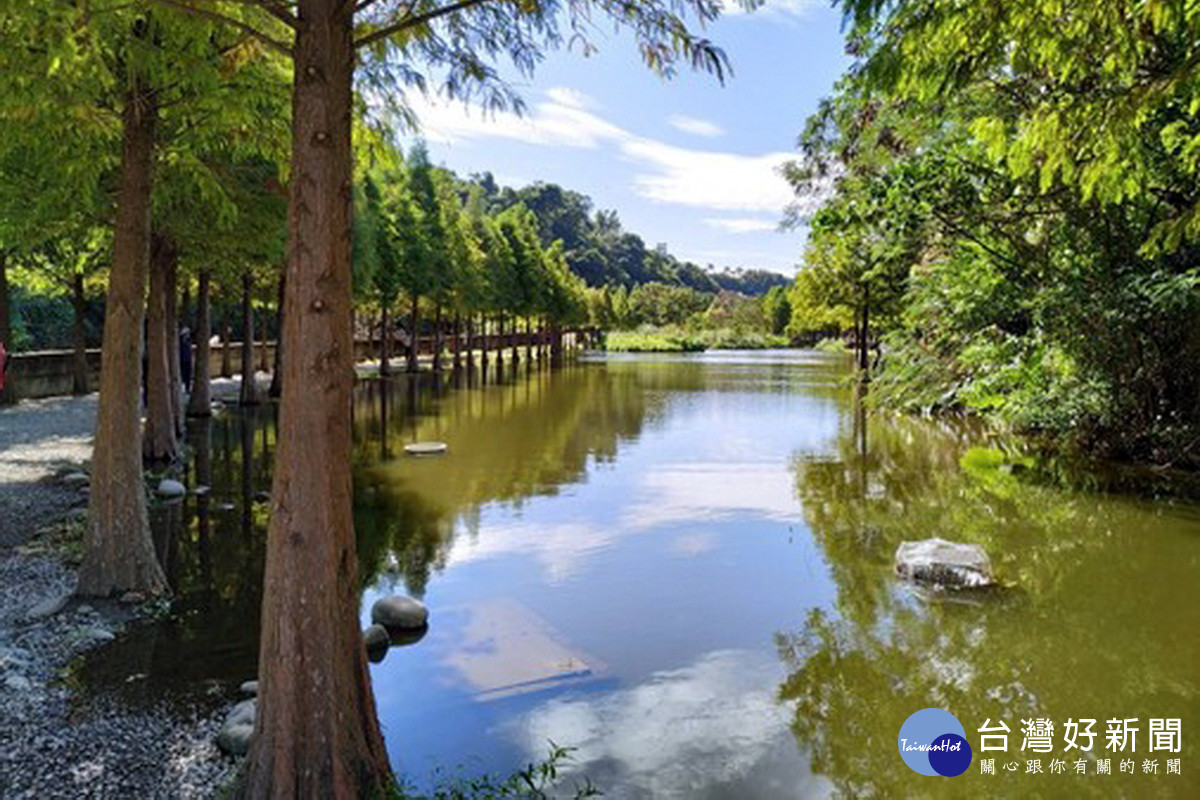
{"x":276,"y":390}
{"x":226,"y":353}
{"x":200,"y":402}
{"x":79,"y":365}
{"x":249,"y":395}
{"x":316,"y":729}
{"x":385,"y":367}
{"x":7,"y":395}
{"x":159,"y":442}
{"x":119,"y":552}
{"x":437,"y":338}
{"x":414,"y":329}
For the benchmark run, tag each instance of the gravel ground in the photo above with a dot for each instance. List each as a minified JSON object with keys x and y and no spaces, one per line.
{"x":54,"y":741}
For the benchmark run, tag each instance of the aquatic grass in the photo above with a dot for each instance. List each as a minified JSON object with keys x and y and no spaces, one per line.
{"x":536,"y":781}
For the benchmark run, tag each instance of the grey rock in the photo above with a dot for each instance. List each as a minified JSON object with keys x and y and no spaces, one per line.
{"x":18,"y":683}
{"x":201,"y":491}
{"x":242,"y":714}
{"x":249,"y":687}
{"x":948,"y":565}
{"x":236,"y":739}
{"x":376,"y":636}
{"x":97,"y":634}
{"x":398,"y":611}
{"x":170,"y":488}
{"x":75,"y":480}
{"x":47,"y":608}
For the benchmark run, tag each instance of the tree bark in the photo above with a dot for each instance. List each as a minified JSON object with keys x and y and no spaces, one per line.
{"x":385,"y":367}
{"x":249,"y":395}
{"x":226,"y":356}
{"x":528,"y":340}
{"x":316,"y":729}
{"x":414,"y":343}
{"x":276,"y":390}
{"x":458,"y":342}
{"x":556,"y":345}
{"x":119,"y":552}
{"x":200,"y":402}
{"x":7,"y":395}
{"x":160,"y":445}
{"x":175,"y":371}
{"x":79,"y":365}
{"x":512,"y":341}
{"x":500,"y":346}
{"x":437,"y":338}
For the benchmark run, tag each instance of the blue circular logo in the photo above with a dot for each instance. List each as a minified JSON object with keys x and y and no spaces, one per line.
{"x":934,"y":742}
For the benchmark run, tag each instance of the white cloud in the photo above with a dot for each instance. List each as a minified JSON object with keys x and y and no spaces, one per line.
{"x":692,"y":125}
{"x":712,"y":492}
{"x":790,"y":8}
{"x":741,"y":224}
{"x":708,"y":179}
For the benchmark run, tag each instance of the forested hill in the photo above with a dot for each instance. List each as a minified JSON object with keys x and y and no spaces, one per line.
{"x":602,"y":252}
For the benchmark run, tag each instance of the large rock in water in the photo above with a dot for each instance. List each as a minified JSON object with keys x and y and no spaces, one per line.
{"x":399,"y":612}
{"x":949,"y":565}
{"x":169,"y":488}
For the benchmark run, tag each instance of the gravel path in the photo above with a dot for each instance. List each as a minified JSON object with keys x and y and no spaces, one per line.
{"x":54,"y":741}
{"x":37,"y":437}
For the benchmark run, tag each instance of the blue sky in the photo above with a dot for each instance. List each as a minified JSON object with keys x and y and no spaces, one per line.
{"x":688,"y":162}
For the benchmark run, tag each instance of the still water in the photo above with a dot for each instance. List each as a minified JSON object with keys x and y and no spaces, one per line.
{"x":681,"y":567}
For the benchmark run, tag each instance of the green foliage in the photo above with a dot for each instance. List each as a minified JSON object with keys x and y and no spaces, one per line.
{"x":1012,"y":200}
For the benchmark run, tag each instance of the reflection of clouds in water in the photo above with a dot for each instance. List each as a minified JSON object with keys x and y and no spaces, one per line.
{"x":560,"y":548}
{"x":712,"y":492}
{"x":684,"y":733}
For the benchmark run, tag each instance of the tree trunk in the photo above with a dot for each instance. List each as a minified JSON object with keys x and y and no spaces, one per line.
{"x":7,"y":395}
{"x":119,"y":552}
{"x":556,"y":345}
{"x":385,"y":367}
{"x":200,"y":402}
{"x":863,"y":335}
{"x":316,"y":729}
{"x":175,"y":369}
{"x":79,"y":364}
{"x":500,"y":346}
{"x":159,"y":442}
{"x":249,"y":391}
{"x":226,"y":356}
{"x":458,"y":343}
{"x":512,"y":341}
{"x":437,"y":338}
{"x":528,"y":341}
{"x":414,"y":344}
{"x":276,"y":390}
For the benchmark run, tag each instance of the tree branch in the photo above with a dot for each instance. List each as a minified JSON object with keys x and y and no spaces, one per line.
{"x":408,"y":21}
{"x":250,"y":30}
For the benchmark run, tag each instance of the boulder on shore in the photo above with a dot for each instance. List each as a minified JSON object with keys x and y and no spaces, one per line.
{"x":399,"y":612}
{"x":944,"y":564}
{"x":170,"y":488}
{"x":238,"y":729}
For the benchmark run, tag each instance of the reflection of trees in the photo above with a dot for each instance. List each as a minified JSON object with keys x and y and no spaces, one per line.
{"x":508,"y":441}
{"x":1091,"y":627}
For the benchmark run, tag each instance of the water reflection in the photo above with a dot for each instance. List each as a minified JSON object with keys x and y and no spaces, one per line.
{"x":682,"y":566}
{"x":1092,"y":625}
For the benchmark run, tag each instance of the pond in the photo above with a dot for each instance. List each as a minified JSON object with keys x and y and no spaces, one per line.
{"x":681,"y":566}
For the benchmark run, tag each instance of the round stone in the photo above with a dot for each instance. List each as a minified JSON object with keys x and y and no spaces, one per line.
{"x":398,"y":611}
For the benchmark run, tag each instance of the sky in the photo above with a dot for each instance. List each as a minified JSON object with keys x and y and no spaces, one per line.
{"x":688,"y":162}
